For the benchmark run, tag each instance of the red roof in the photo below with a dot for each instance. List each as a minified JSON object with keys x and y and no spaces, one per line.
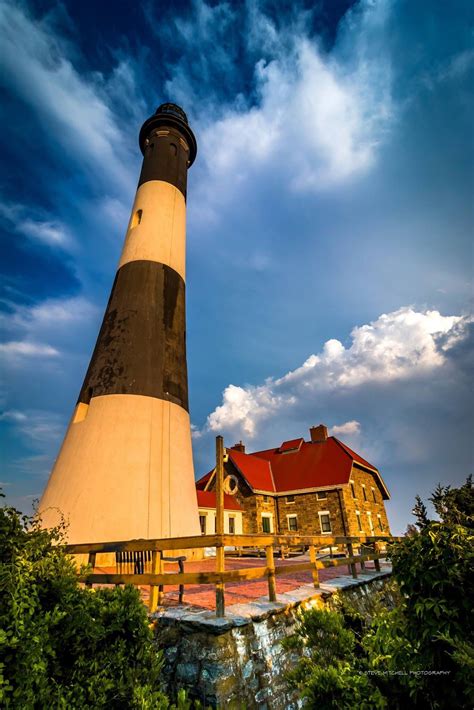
{"x":207,"y":499}
{"x":202,"y":482}
{"x":291,"y":445}
{"x":257,"y":472}
{"x":298,"y":465}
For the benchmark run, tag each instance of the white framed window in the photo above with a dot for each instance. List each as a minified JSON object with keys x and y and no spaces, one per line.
{"x":321,"y":495}
{"x":231,"y":524}
{"x":292,"y":522}
{"x":373,"y":494}
{"x":371,"y":524}
{"x":267,"y":523}
{"x":290,"y":499}
{"x":381,"y":525}
{"x":353,"y":490}
{"x":359,"y":521}
{"x":202,"y":523}
{"x":364,"y":492}
{"x":325,"y":522}
{"x":265,"y":499}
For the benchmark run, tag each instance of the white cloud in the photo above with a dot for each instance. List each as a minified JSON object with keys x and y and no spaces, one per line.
{"x":47,"y":231}
{"x":13,"y":415}
{"x":398,"y":346}
{"x":74,"y":109}
{"x":44,"y":330}
{"x":352,"y":428}
{"x":318,"y":119}
{"x":50,"y":314}
{"x":27,"y":349}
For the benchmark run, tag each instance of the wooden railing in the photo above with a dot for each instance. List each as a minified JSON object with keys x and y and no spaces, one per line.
{"x":152,"y":572}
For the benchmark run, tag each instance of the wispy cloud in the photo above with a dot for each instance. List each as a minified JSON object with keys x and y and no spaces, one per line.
{"x":27,"y":349}
{"x":46,"y":231}
{"x":71,"y":107}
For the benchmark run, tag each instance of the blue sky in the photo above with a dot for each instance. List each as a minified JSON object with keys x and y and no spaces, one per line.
{"x":329,"y":219}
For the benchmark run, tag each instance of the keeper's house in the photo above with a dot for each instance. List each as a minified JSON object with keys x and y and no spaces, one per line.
{"x":316,"y":487}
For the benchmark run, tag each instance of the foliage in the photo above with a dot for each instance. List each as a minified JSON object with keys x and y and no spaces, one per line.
{"x":64,"y":646}
{"x":419,"y":654}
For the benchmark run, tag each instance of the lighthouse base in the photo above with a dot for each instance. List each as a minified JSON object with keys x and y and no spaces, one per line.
{"x":124,"y":472}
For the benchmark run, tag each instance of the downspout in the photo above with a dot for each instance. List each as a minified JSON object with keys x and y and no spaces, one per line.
{"x":344,"y":526}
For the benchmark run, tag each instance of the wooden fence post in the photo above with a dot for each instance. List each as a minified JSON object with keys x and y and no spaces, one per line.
{"x":220,"y":552}
{"x":376,"y":562}
{"x":91,"y":562}
{"x":352,"y":566}
{"x":156,"y":568}
{"x":314,"y":571}
{"x":271,"y":573}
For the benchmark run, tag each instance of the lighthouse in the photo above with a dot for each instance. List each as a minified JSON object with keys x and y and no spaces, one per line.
{"x":125,"y":468}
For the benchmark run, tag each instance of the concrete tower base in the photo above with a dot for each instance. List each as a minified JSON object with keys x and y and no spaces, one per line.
{"x":142,"y":443}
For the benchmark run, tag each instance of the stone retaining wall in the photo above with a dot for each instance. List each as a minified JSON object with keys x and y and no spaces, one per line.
{"x":238,"y":661}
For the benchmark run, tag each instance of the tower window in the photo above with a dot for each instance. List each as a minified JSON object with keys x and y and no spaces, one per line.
{"x":137,"y":218}
{"x":173,"y":149}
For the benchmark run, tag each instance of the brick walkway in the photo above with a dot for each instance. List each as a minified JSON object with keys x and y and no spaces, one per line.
{"x":203,"y":596}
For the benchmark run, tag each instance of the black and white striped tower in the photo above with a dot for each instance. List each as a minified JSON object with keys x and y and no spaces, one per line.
{"x":125,"y":468}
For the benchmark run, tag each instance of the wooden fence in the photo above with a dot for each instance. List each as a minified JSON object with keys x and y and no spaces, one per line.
{"x":147,"y":559}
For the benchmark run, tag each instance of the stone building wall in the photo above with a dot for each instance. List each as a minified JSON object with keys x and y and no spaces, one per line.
{"x":306,"y":507}
{"x":377,"y":507}
{"x":340,"y":503}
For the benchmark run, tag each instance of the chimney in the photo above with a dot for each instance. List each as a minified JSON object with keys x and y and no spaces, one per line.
{"x":239,"y":447}
{"x":318,"y":434}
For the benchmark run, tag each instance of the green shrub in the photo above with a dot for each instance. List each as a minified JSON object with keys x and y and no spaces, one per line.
{"x":421,"y":653}
{"x":64,"y":646}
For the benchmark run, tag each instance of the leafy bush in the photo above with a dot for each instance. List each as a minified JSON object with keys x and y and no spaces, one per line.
{"x":64,"y":646}
{"x":421,"y":653}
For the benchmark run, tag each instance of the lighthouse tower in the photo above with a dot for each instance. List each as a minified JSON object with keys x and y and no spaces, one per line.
{"x":125,"y":468}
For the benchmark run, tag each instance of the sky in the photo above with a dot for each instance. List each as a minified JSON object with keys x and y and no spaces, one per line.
{"x":329,"y":267}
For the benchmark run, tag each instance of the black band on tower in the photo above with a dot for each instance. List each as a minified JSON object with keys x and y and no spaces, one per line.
{"x":166,"y":158}
{"x":141,"y":348}
{"x":168,"y":146}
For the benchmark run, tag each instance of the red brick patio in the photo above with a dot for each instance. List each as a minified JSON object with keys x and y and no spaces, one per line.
{"x":203,"y":595}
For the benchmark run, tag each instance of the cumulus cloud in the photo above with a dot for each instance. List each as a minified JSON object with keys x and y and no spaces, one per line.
{"x":398,"y":346}
{"x":350,"y":428}
{"x":316,"y":119}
